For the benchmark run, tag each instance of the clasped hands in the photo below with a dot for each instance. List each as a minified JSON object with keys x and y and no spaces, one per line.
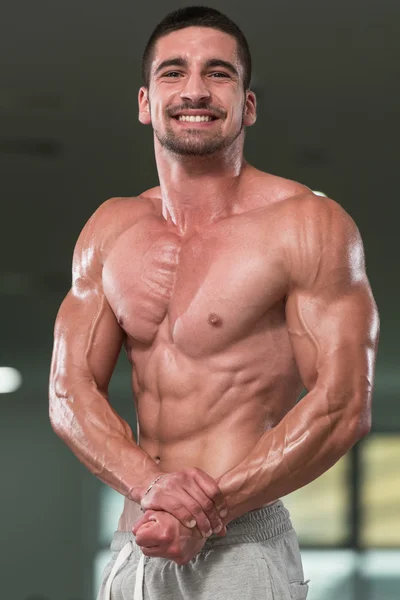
{"x":181,"y":511}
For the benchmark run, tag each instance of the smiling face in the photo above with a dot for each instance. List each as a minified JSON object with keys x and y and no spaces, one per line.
{"x":196,"y":102}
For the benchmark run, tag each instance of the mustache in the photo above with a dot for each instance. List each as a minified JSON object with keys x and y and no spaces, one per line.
{"x":215,"y":110}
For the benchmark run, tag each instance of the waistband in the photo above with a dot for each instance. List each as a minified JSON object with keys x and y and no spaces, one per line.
{"x":257,"y":525}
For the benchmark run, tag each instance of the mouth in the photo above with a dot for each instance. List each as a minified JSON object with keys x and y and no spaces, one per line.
{"x":195,"y":118}
{"x":198,"y":117}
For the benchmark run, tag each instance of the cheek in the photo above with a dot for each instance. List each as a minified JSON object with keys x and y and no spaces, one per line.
{"x":237,"y":113}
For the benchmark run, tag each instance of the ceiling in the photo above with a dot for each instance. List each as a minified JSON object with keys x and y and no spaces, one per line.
{"x":328,"y":84}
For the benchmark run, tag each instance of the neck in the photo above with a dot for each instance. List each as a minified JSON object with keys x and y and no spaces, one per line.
{"x":197,"y":190}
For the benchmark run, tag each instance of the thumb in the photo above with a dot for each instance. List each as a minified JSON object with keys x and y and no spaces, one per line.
{"x":148,"y":516}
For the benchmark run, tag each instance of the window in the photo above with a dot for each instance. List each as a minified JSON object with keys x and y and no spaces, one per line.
{"x":380,"y":491}
{"x":320,"y":510}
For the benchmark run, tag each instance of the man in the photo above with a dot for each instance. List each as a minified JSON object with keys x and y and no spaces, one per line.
{"x":230,"y":289}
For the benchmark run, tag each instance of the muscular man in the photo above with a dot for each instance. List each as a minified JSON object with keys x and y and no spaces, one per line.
{"x":230,"y":290}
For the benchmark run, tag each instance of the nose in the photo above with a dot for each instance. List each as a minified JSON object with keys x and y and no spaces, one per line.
{"x":195,"y":89}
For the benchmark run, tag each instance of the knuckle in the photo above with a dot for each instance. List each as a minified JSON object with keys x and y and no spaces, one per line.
{"x":196,"y":510}
{"x":192,"y":471}
{"x":209,"y":505}
{"x":175,"y":505}
{"x":214,"y":492}
{"x":165,"y":536}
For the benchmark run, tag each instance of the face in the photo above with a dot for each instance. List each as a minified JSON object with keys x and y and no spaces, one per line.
{"x":196,"y":102}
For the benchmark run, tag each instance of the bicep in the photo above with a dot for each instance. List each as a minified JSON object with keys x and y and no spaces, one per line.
{"x":331,"y":314}
{"x":333,"y":333}
{"x":87,"y":341}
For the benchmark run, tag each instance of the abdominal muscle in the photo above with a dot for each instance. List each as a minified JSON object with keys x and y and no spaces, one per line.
{"x":207,"y":413}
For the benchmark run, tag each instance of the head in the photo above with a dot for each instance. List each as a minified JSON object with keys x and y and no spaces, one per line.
{"x":197,"y":64}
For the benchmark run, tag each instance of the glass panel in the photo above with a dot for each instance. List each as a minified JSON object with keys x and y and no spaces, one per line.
{"x":347,"y":575}
{"x":319,"y":510}
{"x":380,"y":491}
{"x":331,"y":574}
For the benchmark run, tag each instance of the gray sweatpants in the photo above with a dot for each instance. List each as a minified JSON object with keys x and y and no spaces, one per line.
{"x":258,"y":559}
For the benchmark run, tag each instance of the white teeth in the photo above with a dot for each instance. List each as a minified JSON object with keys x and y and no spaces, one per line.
{"x":194,"y":119}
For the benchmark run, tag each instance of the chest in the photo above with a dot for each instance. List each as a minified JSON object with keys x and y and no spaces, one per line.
{"x":205,"y":292}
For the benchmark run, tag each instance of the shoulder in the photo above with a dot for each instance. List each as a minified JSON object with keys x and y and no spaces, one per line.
{"x":298,"y":211}
{"x":107,"y":223}
{"x":319,"y":216}
{"x":319,"y":237}
{"x":117,"y":214}
{"x":270,"y":188}
{"x":116,"y":210}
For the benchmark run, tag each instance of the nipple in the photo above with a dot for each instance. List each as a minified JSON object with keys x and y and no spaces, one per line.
{"x":214,"y":320}
{"x":157,"y":459}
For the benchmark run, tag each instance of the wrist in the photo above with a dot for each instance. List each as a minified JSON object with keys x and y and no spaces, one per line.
{"x":136,"y":492}
{"x":153,"y":483}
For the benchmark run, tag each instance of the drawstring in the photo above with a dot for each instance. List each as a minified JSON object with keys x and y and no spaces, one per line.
{"x":138,"y":595}
{"x":121,"y":558}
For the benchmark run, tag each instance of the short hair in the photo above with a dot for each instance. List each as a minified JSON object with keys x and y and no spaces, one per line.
{"x":197,"y":16}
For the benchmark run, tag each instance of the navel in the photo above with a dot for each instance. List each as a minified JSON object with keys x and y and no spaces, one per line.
{"x":214,"y":320}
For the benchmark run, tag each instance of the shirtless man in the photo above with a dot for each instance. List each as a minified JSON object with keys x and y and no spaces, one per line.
{"x":230,"y":290}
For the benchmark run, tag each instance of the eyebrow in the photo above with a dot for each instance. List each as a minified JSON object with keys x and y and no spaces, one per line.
{"x":212,"y":62}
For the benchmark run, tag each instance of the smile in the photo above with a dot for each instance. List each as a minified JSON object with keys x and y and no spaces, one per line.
{"x":195,"y":119}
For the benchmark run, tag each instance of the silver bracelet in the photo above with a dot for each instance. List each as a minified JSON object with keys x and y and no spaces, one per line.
{"x":151,"y":485}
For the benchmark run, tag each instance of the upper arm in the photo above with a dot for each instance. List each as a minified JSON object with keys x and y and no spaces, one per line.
{"x":331,"y":315}
{"x":87,"y":337}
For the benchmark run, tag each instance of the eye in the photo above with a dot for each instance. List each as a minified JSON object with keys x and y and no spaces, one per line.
{"x":219,"y":74}
{"x":172,"y":74}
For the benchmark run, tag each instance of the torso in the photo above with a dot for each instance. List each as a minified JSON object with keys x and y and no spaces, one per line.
{"x":204,"y":317}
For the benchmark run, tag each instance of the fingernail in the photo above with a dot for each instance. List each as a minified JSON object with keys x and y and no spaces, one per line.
{"x":192,"y":523}
{"x":223,"y":513}
{"x":218,"y":529}
{"x":206,"y":535}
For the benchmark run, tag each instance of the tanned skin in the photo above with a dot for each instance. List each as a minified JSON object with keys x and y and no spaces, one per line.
{"x":230,"y":290}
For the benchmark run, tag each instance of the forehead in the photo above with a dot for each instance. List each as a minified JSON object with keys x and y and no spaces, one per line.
{"x":196,"y":44}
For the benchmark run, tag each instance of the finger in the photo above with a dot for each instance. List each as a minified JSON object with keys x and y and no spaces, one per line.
{"x":206,"y":502}
{"x":188,"y":511}
{"x":159,"y":551}
{"x":154,"y":551}
{"x":149,"y":515}
{"x":208,"y":508}
{"x":211,"y":489}
{"x":149,"y":535}
{"x":223,"y":532}
{"x":183,"y":507}
{"x":139,"y":523}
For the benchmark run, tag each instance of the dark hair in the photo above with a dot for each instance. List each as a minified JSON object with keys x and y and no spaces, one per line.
{"x":197,"y":16}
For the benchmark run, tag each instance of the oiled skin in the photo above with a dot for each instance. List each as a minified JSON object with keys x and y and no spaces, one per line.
{"x":222,"y":328}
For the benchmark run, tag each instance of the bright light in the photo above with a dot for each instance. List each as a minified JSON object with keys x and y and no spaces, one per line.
{"x":319,"y":194}
{"x":10,"y":380}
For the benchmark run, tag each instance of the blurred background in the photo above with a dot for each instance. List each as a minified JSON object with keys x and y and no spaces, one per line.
{"x":328,"y":84}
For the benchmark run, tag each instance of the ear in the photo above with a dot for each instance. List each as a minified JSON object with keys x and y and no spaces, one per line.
{"x":144,"y":108}
{"x":250,"y":114}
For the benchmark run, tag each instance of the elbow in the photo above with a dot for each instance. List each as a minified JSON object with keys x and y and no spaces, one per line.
{"x":358,"y":424}
{"x":362,"y":427}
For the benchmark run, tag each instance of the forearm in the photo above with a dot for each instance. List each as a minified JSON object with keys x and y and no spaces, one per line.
{"x":305,"y":444}
{"x":102,"y":440}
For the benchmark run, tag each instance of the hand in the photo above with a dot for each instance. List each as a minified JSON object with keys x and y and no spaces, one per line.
{"x":160,"y":534}
{"x":149,"y":516}
{"x":190,"y":495}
